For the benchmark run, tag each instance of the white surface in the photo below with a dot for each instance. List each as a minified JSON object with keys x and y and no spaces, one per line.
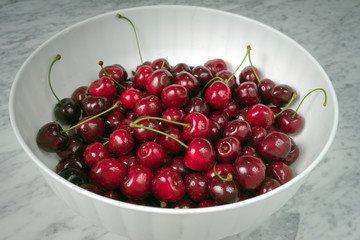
{"x":10,"y":210}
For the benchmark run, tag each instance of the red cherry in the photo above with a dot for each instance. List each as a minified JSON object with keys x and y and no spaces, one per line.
{"x":128,"y":160}
{"x":258,"y":134}
{"x":50,"y":137}
{"x":103,"y":87}
{"x":158,"y":80}
{"x":116,"y":71}
{"x":228,"y":149}
{"x":202,"y":74}
{"x":290,"y":122}
{"x":144,"y":135}
{"x":168,"y":185}
{"x":198,"y":104}
{"x":79,"y":94}
{"x":151,"y":154}
{"x":224,"y":192}
{"x":264,"y":88}
{"x":260,"y":115}
{"x":293,"y":154}
{"x":183,"y":204}
{"x":200,"y":155}
{"x":247,"y":94}
{"x":248,"y":150}
{"x":249,"y":171}
{"x":239,"y":129}
{"x":222,"y":169}
{"x":92,"y":130}
{"x":230,"y":109}
{"x":174,"y":95}
{"x":199,"y":126}
{"x":187,"y":80}
{"x":160,"y":63}
{"x":281,"y":94}
{"x":169,"y":144}
{"x":94,"y":105}
{"x":121,"y":142}
{"x":74,"y":147}
{"x":267,"y":185}
{"x":196,"y":186}
{"x":67,"y":112}
{"x":137,"y":183}
{"x":247,"y":75}
{"x":95,"y":152}
{"x":280,"y":171}
{"x":130,"y":97}
{"x":141,"y":75}
{"x":108,"y":173}
{"x":113,"y":119}
{"x":275,"y":146}
{"x":178,"y":164}
{"x":148,"y":106}
{"x":173,"y":114}
{"x":206,"y":203}
{"x":215,"y":65}
{"x":225,"y":75}
{"x":218,"y":94}
{"x":179,"y":68}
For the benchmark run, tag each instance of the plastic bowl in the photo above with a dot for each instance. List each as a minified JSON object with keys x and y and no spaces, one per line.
{"x":179,"y":34}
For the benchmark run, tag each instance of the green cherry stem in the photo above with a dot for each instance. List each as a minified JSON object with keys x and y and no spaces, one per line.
{"x":316,"y":89}
{"x":133,"y":124}
{"x":257,"y":77}
{"x":137,"y":41}
{"x":207,"y":84}
{"x":287,"y":106}
{"x":247,"y":53}
{"x":163,"y":64}
{"x":91,"y":118}
{"x":57,"y":57}
{"x":228,"y":177}
{"x":161,"y":119}
{"x":101,"y":63}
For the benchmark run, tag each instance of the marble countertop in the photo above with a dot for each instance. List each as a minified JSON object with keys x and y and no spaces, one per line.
{"x":329,"y":30}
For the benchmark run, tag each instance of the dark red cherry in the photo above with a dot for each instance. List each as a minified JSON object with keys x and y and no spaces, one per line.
{"x":137,"y":183}
{"x":172,"y":114}
{"x":242,"y":113}
{"x":151,"y":154}
{"x":281,"y":94}
{"x":103,"y":87}
{"x":174,"y":95}
{"x":200,"y":155}
{"x":73,"y":162}
{"x":198,"y":104}
{"x":196,"y":186}
{"x":79,"y":94}
{"x":264,"y":88}
{"x":92,"y":188}
{"x":267,"y":185}
{"x":228,"y":149}
{"x":50,"y":137}
{"x":183,"y":204}
{"x":94,"y":105}
{"x":92,"y":130}
{"x":249,"y":171}
{"x":225,"y":75}
{"x":116,"y":71}
{"x":207,"y":203}
{"x":280,"y":171}
{"x":178,"y":164}
{"x":112,"y":195}
{"x":222,"y":169}
{"x":258,"y":134}
{"x":67,"y":111}
{"x":148,"y":106}
{"x":293,"y":154}
{"x":108,"y":173}
{"x":218,"y":94}
{"x":169,"y":144}
{"x":160,"y":63}
{"x":141,"y":75}
{"x":247,"y":94}
{"x":260,"y":115}
{"x":168,"y":185}
{"x":158,"y":80}
{"x":121,"y":142}
{"x":178,"y":68}
{"x":290,"y":122}
{"x":144,"y":135}
{"x":125,"y":124}
{"x":230,"y":109}
{"x":202,"y":74}
{"x":275,"y":146}
{"x":215,"y":65}
{"x":95,"y":152}
{"x":247,"y":75}
{"x":199,"y":126}
{"x":128,"y":160}
{"x":249,"y":150}
{"x":130,"y":97}
{"x":224,"y":192}
{"x":239,"y":129}
{"x":220,"y":118}
{"x":74,"y":147}
{"x":113,"y":119}
{"x":187,"y":80}
{"x":216,"y":132}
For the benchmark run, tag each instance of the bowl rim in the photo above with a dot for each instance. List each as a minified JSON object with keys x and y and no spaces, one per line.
{"x":159,"y":210}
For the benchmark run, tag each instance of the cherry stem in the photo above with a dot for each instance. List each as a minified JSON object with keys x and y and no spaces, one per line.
{"x":162,"y":119}
{"x":137,"y":41}
{"x":133,"y":124}
{"x":316,"y":89}
{"x":91,"y":118}
{"x":101,"y":63}
{"x":57,"y":57}
{"x":163,"y":64}
{"x":287,"y":106}
{"x":207,"y":84}
{"x":228,"y":177}
{"x":247,"y":53}
{"x":257,"y":77}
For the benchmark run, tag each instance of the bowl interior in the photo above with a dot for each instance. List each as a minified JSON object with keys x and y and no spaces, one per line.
{"x":180,"y":34}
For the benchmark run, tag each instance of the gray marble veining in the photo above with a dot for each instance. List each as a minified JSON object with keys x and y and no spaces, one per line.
{"x":329,"y":30}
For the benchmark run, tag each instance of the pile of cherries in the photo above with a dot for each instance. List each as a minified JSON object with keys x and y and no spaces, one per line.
{"x":175,"y":135}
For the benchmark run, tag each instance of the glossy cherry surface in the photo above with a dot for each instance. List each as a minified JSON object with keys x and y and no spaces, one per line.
{"x":249,"y":171}
{"x":260,"y":115}
{"x":228,"y":149}
{"x":151,"y":154}
{"x":137,"y":183}
{"x":200,"y":155}
{"x":275,"y":146}
{"x":199,"y":126}
{"x":108,"y":173}
{"x":168,"y":185}
{"x":121,"y":142}
{"x":218,"y":94}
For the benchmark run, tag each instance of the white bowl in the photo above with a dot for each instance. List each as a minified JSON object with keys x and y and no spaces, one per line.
{"x":179,"y":34}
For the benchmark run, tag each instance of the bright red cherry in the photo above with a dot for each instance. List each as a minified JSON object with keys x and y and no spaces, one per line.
{"x":247,"y":94}
{"x":144,"y":135}
{"x":148,"y":106}
{"x":200,"y":155}
{"x":137,"y":183}
{"x":187,"y":80}
{"x":215,"y":65}
{"x":173,"y":114}
{"x":239,"y":129}
{"x":141,"y":75}
{"x":280,"y":171}
{"x":249,"y":171}
{"x":158,"y":80}
{"x":275,"y":146}
{"x":228,"y":149}
{"x":95,"y":152}
{"x":199,"y":126}
{"x":174,"y":95}
{"x":121,"y":142}
{"x":169,"y":144}
{"x":108,"y":173}
{"x":290,"y":122}
{"x":130,"y":97}
{"x":222,"y":169}
{"x":103,"y":87}
{"x":218,"y":94}
{"x":168,"y":185}
{"x":260,"y":115}
{"x":247,"y":75}
{"x":151,"y":154}
{"x":225,"y":75}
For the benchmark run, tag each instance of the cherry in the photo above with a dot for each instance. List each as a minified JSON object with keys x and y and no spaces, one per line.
{"x":260,"y":115}
{"x":242,"y":113}
{"x":74,"y":147}
{"x":121,"y":142}
{"x":179,"y":68}
{"x":247,"y":75}
{"x":108,"y":173}
{"x":151,"y":154}
{"x":94,"y":105}
{"x":131,"y":115}
{"x":116,"y":72}
{"x":264,"y":88}
{"x":293,"y":154}
{"x":218,"y":94}
{"x":280,"y":171}
{"x":249,"y":150}
{"x":79,"y":94}
{"x":215,"y":65}
{"x":174,"y":95}
{"x":197,"y":125}
{"x":206,"y":203}
{"x":228,"y":149}
{"x":168,"y":185}
{"x":275,"y":146}
{"x":267,"y":185}
{"x":230,"y":82}
{"x":202,"y":74}
{"x":224,"y":192}
{"x":183,"y":204}
{"x":144,"y":135}
{"x":290,"y":122}
{"x":172,"y":114}
{"x":90,"y":129}
{"x":219,"y":118}
{"x":130,"y":97}
{"x":125,"y":124}
{"x":258,"y":134}
{"x":247,"y":94}
{"x":231,"y":109}
{"x":170,"y":145}
{"x":216,"y":132}
{"x":158,"y":80}
{"x":71,"y":162}
{"x":113,"y":119}
{"x":148,"y":106}
{"x":51,"y":138}
{"x":178,"y":164}
{"x":196,"y":186}
{"x":137,"y":183}
{"x":281,"y":94}
{"x":160,"y":63}
{"x":95,"y":152}
{"x":239,"y":129}
{"x":222,"y":169}
{"x":249,"y":171}
{"x":74,"y":175}
{"x":187,"y":80}
{"x":103,"y":87}
{"x":112,"y":195}
{"x":128,"y":160}
{"x":200,"y":155}
{"x":198,"y":104}
{"x":141,"y":75}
